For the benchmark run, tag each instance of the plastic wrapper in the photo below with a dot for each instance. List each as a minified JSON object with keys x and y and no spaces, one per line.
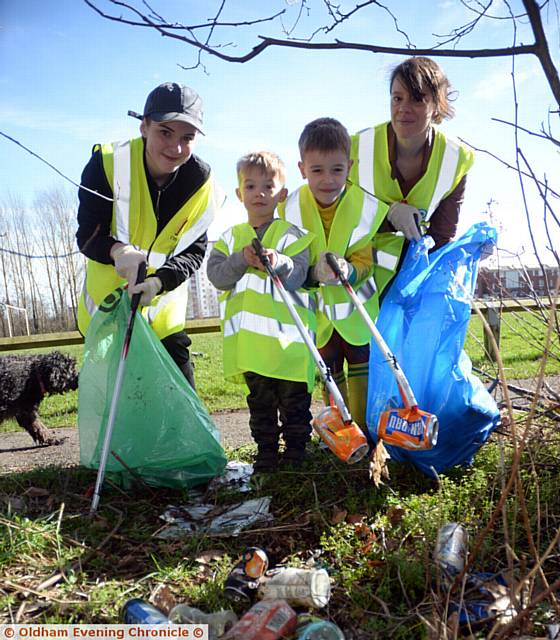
{"x":424,"y":319}
{"x":163,"y":433}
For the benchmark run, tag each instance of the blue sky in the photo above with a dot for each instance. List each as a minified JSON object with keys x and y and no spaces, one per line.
{"x":68,"y":77}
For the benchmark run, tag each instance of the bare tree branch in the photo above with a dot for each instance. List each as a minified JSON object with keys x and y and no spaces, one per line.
{"x":542,"y":52}
{"x":507,"y":164}
{"x":149,"y":22}
{"x":543,"y":135}
{"x":539,"y":48}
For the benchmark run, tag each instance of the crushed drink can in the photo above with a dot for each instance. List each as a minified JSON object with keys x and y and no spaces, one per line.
{"x":408,"y":428}
{"x":319,"y":630}
{"x":346,"y":441}
{"x":451,"y":550}
{"x":243,"y":580}
{"x":265,"y":620}
{"x":137,"y":611}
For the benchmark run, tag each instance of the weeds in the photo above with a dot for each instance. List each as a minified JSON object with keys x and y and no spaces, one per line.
{"x":57,"y":565}
{"x":375,"y":543}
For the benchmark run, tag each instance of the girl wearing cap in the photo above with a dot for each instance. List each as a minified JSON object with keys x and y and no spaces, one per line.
{"x":158,"y":205}
{"x":411,"y":165}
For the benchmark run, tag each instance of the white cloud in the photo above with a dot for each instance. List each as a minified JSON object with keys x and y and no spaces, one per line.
{"x":498,"y":83}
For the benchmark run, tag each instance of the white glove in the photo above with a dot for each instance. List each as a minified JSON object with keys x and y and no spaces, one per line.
{"x":323,"y":273}
{"x":405,"y":218}
{"x":149,"y":290}
{"x":127,"y":259}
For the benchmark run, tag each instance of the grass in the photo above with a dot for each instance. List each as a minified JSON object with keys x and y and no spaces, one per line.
{"x":376,"y":542}
{"x":521,"y":351}
{"x":521,"y":346}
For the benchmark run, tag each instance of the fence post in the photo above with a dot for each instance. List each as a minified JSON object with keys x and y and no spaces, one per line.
{"x":493,"y":317}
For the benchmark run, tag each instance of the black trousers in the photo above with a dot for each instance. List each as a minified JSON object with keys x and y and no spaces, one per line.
{"x":177,"y":345}
{"x":271,"y":399}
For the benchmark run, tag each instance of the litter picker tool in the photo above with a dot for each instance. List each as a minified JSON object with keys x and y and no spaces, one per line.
{"x":135,"y":301}
{"x":334,"y":424}
{"x":407,"y":427}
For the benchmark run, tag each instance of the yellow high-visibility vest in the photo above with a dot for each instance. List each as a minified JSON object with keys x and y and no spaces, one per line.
{"x":356,"y":220}
{"x":371,"y":170}
{"x":134,"y":222}
{"x":259,"y":333}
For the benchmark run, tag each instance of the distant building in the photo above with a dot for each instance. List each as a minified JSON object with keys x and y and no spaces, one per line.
{"x":512,"y":282}
{"x":203,"y":296}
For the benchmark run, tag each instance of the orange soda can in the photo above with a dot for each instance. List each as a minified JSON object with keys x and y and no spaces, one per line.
{"x":346,"y":441}
{"x":408,"y":428}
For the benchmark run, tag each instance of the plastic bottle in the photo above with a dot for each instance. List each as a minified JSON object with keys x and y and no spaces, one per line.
{"x":319,"y":630}
{"x":299,"y":587}
{"x":218,"y":623}
{"x":137,"y":611}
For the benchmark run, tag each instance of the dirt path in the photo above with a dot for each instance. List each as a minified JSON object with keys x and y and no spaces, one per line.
{"x":18,"y":453}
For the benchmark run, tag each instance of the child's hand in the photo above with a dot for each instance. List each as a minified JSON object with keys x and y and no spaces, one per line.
{"x":322,"y":271}
{"x":272,"y":256}
{"x":253,"y":260}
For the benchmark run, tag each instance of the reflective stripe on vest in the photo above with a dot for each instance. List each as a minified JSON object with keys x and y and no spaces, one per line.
{"x":341,"y":310}
{"x":386,"y":260}
{"x":446,"y":176}
{"x":365,"y":159}
{"x":121,"y":190}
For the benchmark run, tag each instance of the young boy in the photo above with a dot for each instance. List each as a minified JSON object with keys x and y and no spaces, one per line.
{"x":262,"y":345}
{"x":343,"y":221}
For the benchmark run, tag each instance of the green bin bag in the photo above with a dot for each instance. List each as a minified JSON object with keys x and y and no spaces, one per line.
{"x":162,"y":430}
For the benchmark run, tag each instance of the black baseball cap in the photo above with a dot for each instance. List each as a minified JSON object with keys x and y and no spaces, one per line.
{"x":172,"y":101}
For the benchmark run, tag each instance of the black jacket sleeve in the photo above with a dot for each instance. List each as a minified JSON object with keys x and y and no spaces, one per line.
{"x":180,"y":267}
{"x":94,"y":213}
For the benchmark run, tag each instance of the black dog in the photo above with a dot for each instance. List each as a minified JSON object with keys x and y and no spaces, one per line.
{"x":24,"y":382}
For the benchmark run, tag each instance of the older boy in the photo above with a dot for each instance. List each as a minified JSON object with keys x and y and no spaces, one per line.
{"x":343,"y":222}
{"x":262,"y":345}
{"x":156,"y":202}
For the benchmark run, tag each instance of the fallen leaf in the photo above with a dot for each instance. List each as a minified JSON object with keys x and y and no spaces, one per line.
{"x":378,"y":464}
{"x":363,"y":530}
{"x":376,"y":563}
{"x":209,"y":556}
{"x":36,"y":492}
{"x":162,"y":598}
{"x":395,"y":515}
{"x":338,"y":516}
{"x":355,"y":518}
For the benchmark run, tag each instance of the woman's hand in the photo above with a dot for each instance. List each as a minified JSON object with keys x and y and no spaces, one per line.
{"x":405,"y":218}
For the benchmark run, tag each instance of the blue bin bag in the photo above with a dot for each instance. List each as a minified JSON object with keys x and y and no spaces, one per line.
{"x":162,"y":430}
{"x":424,"y":319}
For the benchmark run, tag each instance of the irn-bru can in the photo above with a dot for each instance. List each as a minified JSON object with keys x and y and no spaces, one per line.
{"x":408,"y":428}
{"x":243,"y":580}
{"x":346,"y":441}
